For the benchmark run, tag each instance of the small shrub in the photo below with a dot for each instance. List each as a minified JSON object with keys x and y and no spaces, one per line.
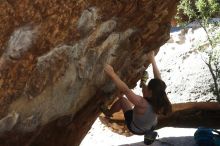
{"x":201,"y":11}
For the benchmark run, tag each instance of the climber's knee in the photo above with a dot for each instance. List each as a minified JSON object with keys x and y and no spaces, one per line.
{"x":125,"y":104}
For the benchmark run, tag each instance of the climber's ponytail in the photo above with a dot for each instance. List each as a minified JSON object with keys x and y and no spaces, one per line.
{"x":159,"y":99}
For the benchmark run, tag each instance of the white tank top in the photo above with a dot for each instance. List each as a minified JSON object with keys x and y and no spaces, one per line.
{"x":144,"y":121}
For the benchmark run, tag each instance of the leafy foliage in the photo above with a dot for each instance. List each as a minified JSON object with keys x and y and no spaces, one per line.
{"x":201,"y":11}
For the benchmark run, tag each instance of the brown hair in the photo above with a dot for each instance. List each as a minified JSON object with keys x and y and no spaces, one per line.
{"x":159,"y":99}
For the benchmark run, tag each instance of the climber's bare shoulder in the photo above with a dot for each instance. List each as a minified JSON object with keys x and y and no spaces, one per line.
{"x":137,"y":100}
{"x":142,"y":103}
{"x":141,"y":107}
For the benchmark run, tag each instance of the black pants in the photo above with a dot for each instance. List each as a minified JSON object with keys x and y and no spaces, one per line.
{"x":128,"y":120}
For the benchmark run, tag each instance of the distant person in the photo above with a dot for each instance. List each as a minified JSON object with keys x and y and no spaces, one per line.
{"x":143,"y":116}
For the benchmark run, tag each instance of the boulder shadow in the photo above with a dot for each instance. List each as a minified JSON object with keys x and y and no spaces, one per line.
{"x":168,"y":141}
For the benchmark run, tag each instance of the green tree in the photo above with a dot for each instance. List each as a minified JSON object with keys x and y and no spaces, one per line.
{"x":201,"y":11}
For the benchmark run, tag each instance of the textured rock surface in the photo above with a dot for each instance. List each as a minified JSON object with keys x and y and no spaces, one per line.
{"x":52,"y":56}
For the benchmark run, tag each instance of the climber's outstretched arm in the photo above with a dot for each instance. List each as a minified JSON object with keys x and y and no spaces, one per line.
{"x":156,"y":71}
{"x":135,"y":99}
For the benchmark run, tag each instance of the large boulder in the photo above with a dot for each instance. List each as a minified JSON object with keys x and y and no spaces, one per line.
{"x":52,"y":56}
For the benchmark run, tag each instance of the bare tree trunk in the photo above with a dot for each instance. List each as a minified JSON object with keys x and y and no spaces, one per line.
{"x":192,"y":115}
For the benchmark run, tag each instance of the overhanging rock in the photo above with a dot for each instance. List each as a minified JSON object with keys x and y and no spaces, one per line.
{"x":52,"y":58}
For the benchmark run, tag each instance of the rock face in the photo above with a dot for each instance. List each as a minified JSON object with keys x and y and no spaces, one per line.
{"x":52,"y":56}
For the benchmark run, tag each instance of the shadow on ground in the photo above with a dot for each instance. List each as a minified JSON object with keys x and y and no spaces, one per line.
{"x":168,"y":141}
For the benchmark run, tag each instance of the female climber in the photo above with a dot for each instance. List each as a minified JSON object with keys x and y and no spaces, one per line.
{"x":143,"y":116}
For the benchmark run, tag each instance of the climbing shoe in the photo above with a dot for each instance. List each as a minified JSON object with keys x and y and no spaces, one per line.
{"x":149,"y":137}
{"x":105,"y":111}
